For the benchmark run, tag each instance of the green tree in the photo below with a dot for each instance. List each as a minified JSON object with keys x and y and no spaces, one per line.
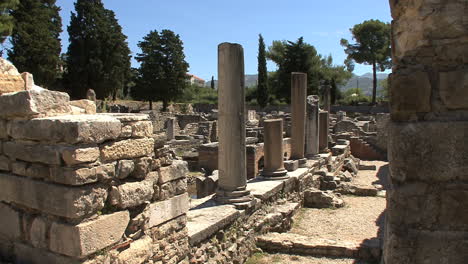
{"x":98,"y":56}
{"x":163,"y":69}
{"x":294,"y":57}
{"x":6,"y":20}
{"x":334,"y":75}
{"x":262,"y":86}
{"x":384,"y":91}
{"x":212,"y":84}
{"x":372,"y":47}
{"x":36,"y":40}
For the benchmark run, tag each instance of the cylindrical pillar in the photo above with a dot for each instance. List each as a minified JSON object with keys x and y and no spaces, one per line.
{"x":312,"y":126}
{"x":298,"y":116}
{"x":273,"y":149}
{"x":231,"y":103}
{"x":323,"y":131}
{"x":170,"y":128}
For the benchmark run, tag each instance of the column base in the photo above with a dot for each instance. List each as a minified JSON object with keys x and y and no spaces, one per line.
{"x":302,"y":163}
{"x":241,"y":195}
{"x":274,"y":175}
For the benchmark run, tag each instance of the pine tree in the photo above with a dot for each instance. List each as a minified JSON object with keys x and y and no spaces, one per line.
{"x":6,"y":20}
{"x":163,"y":69}
{"x":262,"y":87}
{"x":98,"y":56}
{"x":36,"y":40}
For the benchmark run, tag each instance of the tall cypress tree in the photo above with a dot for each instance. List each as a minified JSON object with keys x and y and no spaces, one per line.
{"x":98,"y":56}
{"x":262,"y":87}
{"x":36,"y":40}
{"x":6,"y":20}
{"x":212,"y":83}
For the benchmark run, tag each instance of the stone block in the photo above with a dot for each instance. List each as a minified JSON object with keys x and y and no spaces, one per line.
{"x":291,"y":165}
{"x":77,"y":155}
{"x":124,"y":168}
{"x":127,"y":149}
{"x":131,"y":194}
{"x":67,"y":129}
{"x":10,"y":223}
{"x":173,"y":188}
{"x":33,"y":170}
{"x":410,"y":93}
{"x":38,"y":233}
{"x":11,"y":83}
{"x":5,"y":164}
{"x":142,"y":129}
{"x":87,"y":106}
{"x":33,"y":103}
{"x":86,"y":238}
{"x":3,"y":129}
{"x":428,"y":151}
{"x":142,"y":167}
{"x":453,"y":87}
{"x":51,"y":198}
{"x":6,"y":67}
{"x":177,"y":170}
{"x":31,"y":152}
{"x":161,"y":212}
{"x":138,"y":252}
{"x":26,"y":254}
{"x":82,"y":175}
{"x":320,"y":199}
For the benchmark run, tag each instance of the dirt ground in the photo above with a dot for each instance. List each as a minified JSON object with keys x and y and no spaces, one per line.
{"x":294,"y":259}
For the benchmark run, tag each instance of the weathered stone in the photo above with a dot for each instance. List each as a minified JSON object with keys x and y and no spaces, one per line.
{"x":28,"y":80}
{"x":89,"y":237}
{"x":291,"y":165}
{"x":172,"y":189}
{"x":11,"y":83}
{"x":127,"y":149}
{"x":27,"y":254}
{"x":33,"y":170}
{"x":5,"y":163}
{"x":38,"y":233}
{"x":124,"y":168}
{"x":177,"y":170}
{"x":142,"y":167}
{"x":7,"y":67}
{"x":68,"y":129}
{"x":3,"y":129}
{"x":87,"y":106}
{"x":81,"y":176}
{"x":139,"y":252}
{"x":35,"y":102}
{"x":51,"y":198}
{"x":131,"y":194}
{"x":31,"y":152}
{"x":142,"y":129}
{"x":126,"y":131}
{"x":77,"y":155}
{"x":319,"y":199}
{"x":10,"y":222}
{"x":405,"y":101}
{"x":298,"y":114}
{"x":161,"y":212}
{"x":453,"y":88}
{"x":350,"y":166}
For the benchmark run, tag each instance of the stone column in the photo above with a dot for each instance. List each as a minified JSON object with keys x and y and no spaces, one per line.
{"x":427,"y":211}
{"x":231,"y":103}
{"x":312,"y":126}
{"x":327,"y":98}
{"x":273,"y":150}
{"x":298,"y":116}
{"x":170,"y":128}
{"x":323,"y":131}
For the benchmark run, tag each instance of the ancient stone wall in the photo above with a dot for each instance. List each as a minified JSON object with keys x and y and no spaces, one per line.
{"x":427,"y":216}
{"x":94,"y":188}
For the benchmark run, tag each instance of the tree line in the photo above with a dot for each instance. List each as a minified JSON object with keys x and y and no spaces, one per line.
{"x":98,"y":56}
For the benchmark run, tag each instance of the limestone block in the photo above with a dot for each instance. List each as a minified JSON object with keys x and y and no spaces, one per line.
{"x":127,"y":149}
{"x":37,"y":233}
{"x":67,"y":129}
{"x":142,"y":129}
{"x":77,"y":155}
{"x":126,"y":131}
{"x":124,"y":168}
{"x":443,"y":145}
{"x":82,"y":175}
{"x":138,"y":252}
{"x":11,"y":83}
{"x":31,"y":152}
{"x":3,"y":129}
{"x":10,"y":223}
{"x":28,"y":80}
{"x":143,"y":165}
{"x":28,"y":254}
{"x":410,"y":93}
{"x":321,"y":199}
{"x":131,"y":194}
{"x":453,"y":87}
{"x":33,"y":170}
{"x":51,"y":198}
{"x":172,"y":189}
{"x":161,"y":212}
{"x":177,"y":170}
{"x":33,"y":103}
{"x":86,"y":238}
{"x":7,"y":67}
{"x":88,"y":106}
{"x":5,"y":164}
{"x":128,"y":117}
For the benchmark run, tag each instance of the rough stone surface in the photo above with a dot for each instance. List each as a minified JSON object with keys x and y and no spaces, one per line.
{"x":124,"y":168}
{"x":4,"y":163}
{"x":7,"y":67}
{"x":11,"y":83}
{"x":89,"y":237}
{"x":77,"y":155}
{"x":177,"y":170}
{"x":321,"y":199}
{"x":67,"y":129}
{"x":51,"y":198}
{"x":160,"y":212}
{"x":142,"y":167}
{"x":127,"y":149}
{"x":28,"y":151}
{"x":86,"y":106}
{"x":10,"y":222}
{"x":81,"y":176}
{"x":33,"y":170}
{"x":131,"y":194}
{"x":454,"y":89}
{"x":33,"y":103}
{"x":28,"y":254}
{"x":406,"y":101}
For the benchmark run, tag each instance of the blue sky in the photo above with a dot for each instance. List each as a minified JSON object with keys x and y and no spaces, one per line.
{"x":203,"y":24}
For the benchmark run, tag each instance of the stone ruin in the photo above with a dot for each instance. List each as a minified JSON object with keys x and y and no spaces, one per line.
{"x":83,"y":187}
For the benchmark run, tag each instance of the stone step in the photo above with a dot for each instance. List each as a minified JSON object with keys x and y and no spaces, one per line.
{"x":289,"y":243}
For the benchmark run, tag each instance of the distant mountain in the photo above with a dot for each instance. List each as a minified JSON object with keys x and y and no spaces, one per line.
{"x":364,"y":82}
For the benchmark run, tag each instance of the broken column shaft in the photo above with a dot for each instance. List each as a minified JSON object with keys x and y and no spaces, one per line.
{"x":273,"y":149}
{"x":298,"y":115}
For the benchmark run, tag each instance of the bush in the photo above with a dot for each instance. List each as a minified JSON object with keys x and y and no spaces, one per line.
{"x":198,"y":94}
{"x":354,"y":96}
